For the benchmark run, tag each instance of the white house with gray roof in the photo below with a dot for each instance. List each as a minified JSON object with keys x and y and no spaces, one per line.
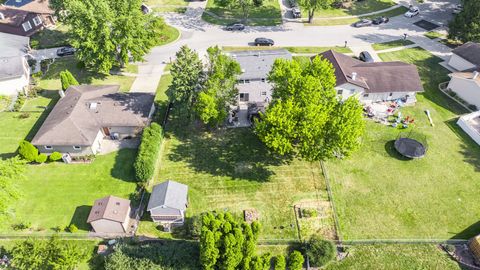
{"x":168,"y":202}
{"x":14,"y":70}
{"x":252,"y":84}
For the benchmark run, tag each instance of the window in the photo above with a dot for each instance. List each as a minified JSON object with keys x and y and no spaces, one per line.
{"x":37,"y":20}
{"x":77,"y":147}
{"x":247,"y":81}
{"x":352,"y":91}
{"x":391,"y":94}
{"x":26,"y":26}
{"x":365,"y":95}
{"x":339,"y":92}
{"x":243,"y":96}
{"x":263,"y":79}
{"x":264,"y":93}
{"x":48,"y":147}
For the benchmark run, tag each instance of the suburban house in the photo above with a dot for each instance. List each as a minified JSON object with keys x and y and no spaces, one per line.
{"x":252,"y":84}
{"x":465,"y":57}
{"x":88,"y":114}
{"x":14,"y":75}
{"x":466,"y":85}
{"x":168,"y":203}
{"x":25,"y":17}
{"x":373,"y":82}
{"x":470,"y":123}
{"x":110,"y":215}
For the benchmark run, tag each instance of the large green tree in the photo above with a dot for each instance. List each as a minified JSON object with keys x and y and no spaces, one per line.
{"x":245,"y":5}
{"x":109,"y":32}
{"x":313,"y":5}
{"x":466,"y":25}
{"x":219,"y":90}
{"x":187,"y":74}
{"x":305,"y":117}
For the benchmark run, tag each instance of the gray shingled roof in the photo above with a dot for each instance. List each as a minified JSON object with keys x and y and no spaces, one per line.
{"x":170,"y":194}
{"x":469,"y":51}
{"x":377,"y":77}
{"x":11,"y":67}
{"x":73,"y":122}
{"x":257,"y":64}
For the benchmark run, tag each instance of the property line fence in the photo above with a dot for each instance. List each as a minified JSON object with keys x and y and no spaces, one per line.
{"x":353,"y":242}
{"x":332,"y":203}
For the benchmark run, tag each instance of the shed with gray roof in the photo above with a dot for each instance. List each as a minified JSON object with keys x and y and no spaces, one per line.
{"x":168,"y":202}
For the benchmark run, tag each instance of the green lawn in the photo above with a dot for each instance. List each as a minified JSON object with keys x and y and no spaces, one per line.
{"x":434,"y":35}
{"x":306,"y":50}
{"x":178,"y":6}
{"x":392,"y":44}
{"x":51,"y":80}
{"x":268,"y":14}
{"x":357,"y":8}
{"x":50,"y":38}
{"x":58,"y":194}
{"x":393,"y":257}
{"x":332,"y":21}
{"x":232,"y":170}
{"x":380,"y":195}
{"x":171,"y":34}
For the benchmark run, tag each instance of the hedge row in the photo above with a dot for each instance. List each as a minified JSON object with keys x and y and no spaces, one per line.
{"x":148,"y":153}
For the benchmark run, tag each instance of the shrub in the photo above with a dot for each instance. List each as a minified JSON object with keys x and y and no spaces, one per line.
{"x":34,"y":43}
{"x":22,"y":226}
{"x":41,"y":158}
{"x":72,"y":228}
{"x":472,"y":107}
{"x":319,"y":251}
{"x":148,"y":152}
{"x":24,"y":115}
{"x":28,"y":151}
{"x":450,"y":248}
{"x":309,"y":213}
{"x":258,"y":3}
{"x":55,"y":156}
{"x":295,"y":260}
{"x":67,"y":79}
{"x":280,"y":263}
{"x":19,"y":103}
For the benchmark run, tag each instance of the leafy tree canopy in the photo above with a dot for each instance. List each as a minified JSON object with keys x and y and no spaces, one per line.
{"x":466,"y":25}
{"x":319,"y":251}
{"x":107,"y":33}
{"x":305,"y":117}
{"x":313,"y":5}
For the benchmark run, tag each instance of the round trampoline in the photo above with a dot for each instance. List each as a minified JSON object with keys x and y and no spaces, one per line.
{"x":410,"y":148}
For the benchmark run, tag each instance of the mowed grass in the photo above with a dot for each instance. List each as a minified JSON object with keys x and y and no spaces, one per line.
{"x":392,"y":44}
{"x":379,"y":194}
{"x":393,"y":257}
{"x":268,"y":14}
{"x":346,"y":21}
{"x":231,"y":170}
{"x":51,"y":80}
{"x":58,"y":194}
{"x":178,"y":6}
{"x":357,"y":8}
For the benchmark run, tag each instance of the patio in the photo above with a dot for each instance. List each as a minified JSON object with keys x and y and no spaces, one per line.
{"x":108,"y":145}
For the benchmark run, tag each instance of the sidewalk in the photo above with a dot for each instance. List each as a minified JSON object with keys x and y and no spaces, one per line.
{"x":148,"y":78}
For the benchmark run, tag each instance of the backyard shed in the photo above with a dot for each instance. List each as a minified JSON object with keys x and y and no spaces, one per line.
{"x":110,"y":215}
{"x":168,"y":203}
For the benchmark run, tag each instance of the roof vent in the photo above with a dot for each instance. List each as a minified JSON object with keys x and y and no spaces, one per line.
{"x":61,"y":93}
{"x":354,"y":76}
{"x":93,"y":105}
{"x":475,"y":75}
{"x":117,"y":203}
{"x":115,"y":212}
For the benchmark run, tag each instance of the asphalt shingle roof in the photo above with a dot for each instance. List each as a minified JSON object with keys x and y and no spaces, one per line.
{"x":170,"y":194}
{"x":257,"y":64}
{"x":469,"y":51}
{"x":11,"y":67}
{"x":111,"y":208}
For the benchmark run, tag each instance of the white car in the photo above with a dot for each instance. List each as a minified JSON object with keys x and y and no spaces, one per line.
{"x":457,"y":9}
{"x":412,"y":12}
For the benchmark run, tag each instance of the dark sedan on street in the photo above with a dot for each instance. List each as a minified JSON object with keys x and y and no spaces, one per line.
{"x":380,"y":20}
{"x":263,"y":42}
{"x":363,"y":23}
{"x":235,"y":27}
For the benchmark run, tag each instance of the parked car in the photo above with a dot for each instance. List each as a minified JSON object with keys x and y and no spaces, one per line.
{"x":366,"y":57}
{"x":263,"y":42}
{"x":457,"y":9}
{"x":412,"y":12}
{"x":380,"y":20}
{"x":65,"y":51}
{"x":363,"y":23}
{"x":296,"y":12}
{"x":235,"y":27}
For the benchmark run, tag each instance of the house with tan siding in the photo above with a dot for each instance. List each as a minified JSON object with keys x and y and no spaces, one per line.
{"x":110,"y":215}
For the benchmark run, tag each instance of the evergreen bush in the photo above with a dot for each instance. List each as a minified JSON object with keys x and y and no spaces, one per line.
{"x":28,"y":151}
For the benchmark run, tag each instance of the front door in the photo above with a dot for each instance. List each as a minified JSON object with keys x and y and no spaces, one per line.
{"x":106,"y":131}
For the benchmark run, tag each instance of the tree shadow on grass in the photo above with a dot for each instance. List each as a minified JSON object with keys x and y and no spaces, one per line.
{"x":78,"y":70}
{"x":236,"y":153}
{"x":123,"y":167}
{"x":80,"y":216}
{"x":469,"y":148}
{"x":390,"y":149}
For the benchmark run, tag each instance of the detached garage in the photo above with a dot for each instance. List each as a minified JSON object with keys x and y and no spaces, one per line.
{"x":110,"y":215}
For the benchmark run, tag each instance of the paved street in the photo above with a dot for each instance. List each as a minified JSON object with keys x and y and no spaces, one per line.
{"x":200,"y":35}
